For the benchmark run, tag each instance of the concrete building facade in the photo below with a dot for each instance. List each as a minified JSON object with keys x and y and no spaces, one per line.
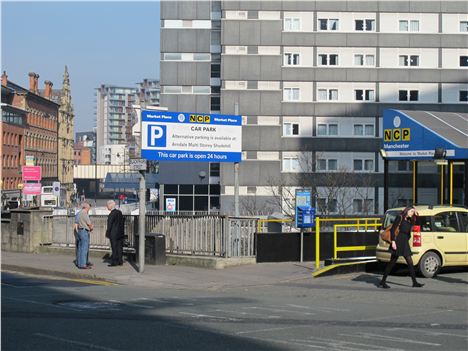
{"x":312,"y":79}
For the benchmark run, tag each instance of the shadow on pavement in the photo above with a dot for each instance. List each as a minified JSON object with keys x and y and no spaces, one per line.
{"x":38,"y":314}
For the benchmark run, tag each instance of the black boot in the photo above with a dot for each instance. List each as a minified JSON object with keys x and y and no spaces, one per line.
{"x":382,"y":284}
{"x":417,"y":285}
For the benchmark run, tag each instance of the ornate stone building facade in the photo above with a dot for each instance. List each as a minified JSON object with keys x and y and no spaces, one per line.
{"x":65,"y":143}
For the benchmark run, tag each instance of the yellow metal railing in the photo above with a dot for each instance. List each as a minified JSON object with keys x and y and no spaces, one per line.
{"x":358,"y":222}
{"x":337,"y":248}
{"x":261,"y":223}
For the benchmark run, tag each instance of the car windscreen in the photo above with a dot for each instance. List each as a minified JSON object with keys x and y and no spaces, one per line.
{"x":390,"y":218}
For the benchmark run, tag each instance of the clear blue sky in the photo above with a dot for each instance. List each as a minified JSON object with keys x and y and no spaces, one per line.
{"x":100,"y":42}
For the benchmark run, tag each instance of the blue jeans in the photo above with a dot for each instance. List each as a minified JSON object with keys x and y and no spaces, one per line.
{"x":83,"y":247}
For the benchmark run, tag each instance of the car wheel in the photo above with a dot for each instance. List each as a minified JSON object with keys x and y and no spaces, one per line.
{"x":429,"y":264}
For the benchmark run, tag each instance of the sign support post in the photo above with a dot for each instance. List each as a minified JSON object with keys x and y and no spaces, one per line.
{"x":141,"y":224}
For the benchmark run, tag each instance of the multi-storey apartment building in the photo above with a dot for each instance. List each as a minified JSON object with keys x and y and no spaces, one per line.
{"x":114,"y":117}
{"x":312,"y":79}
{"x":150,"y":92}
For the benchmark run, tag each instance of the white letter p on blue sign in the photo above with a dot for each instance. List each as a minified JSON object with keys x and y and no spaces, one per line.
{"x":157,"y":135}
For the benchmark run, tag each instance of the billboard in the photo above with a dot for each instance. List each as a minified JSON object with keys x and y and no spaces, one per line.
{"x":404,"y":138}
{"x":31,"y":173}
{"x":32,"y":189}
{"x":191,"y":137}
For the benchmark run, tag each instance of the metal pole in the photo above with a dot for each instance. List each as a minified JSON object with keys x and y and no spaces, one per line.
{"x":141,"y":224}
{"x":302,"y":245}
{"x":386,"y":185}
{"x":236,"y":174}
{"x":415,"y":182}
{"x":442,"y":184}
{"x":317,"y":243}
{"x":451,"y":182}
{"x":236,"y":189}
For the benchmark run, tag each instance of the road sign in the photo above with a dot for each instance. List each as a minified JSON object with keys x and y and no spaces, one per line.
{"x":170,"y":204}
{"x":191,"y":137}
{"x":137,"y":164}
{"x":31,"y":173}
{"x":32,"y":189}
{"x":56,"y":189}
{"x":303,"y":198}
{"x":29,"y":160}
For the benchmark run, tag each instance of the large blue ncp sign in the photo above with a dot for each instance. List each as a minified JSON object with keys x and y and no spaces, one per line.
{"x":191,"y":137}
{"x":408,"y":137}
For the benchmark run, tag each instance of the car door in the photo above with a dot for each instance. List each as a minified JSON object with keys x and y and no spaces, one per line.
{"x":463,"y":219}
{"x":448,"y":237}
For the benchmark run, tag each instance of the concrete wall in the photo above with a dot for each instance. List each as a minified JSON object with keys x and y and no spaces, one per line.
{"x":26,"y":231}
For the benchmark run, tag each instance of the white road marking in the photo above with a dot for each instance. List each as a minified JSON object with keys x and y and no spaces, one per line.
{"x":88,"y":345}
{"x":389,"y":338}
{"x":402,"y":315}
{"x":325,"y":309}
{"x":268,"y":329}
{"x":42,"y":303}
{"x":430,"y":333}
{"x":163,"y":301}
{"x":199,"y":315}
{"x":131,"y":304}
{"x":279,"y":310}
{"x":242,"y":313}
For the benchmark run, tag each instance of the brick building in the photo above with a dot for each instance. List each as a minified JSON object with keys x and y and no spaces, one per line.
{"x":82,"y":154}
{"x":12,"y":128}
{"x":39,"y":126}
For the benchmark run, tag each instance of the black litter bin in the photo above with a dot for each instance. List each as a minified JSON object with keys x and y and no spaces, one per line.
{"x":155,"y":248}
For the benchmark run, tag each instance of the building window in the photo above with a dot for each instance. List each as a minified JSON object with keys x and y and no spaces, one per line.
{"x":364,"y":130}
{"x":327,"y":165}
{"x":328,"y":60}
{"x":324,"y":206}
{"x":216,"y":71}
{"x":361,"y":60}
{"x":328,"y":23}
{"x":292,"y":24}
{"x":291,"y":164}
{"x":291,"y":94}
{"x":328,"y":94}
{"x":215,"y":103}
{"x":412,"y":26}
{"x":364,"y":95}
{"x":411,"y":60}
{"x":404,"y":166}
{"x":464,"y":26}
{"x":463,"y":61}
{"x":290,"y":129}
{"x":463,"y":96}
{"x":291,"y":59}
{"x":363,"y":165}
{"x":367,"y":25}
{"x":363,"y":206}
{"x":413,"y":95}
{"x":330,"y":129}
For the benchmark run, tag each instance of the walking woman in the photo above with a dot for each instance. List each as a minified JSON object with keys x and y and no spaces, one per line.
{"x":400,"y":245}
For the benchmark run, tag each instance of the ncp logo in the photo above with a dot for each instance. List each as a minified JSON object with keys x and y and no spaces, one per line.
{"x":156,"y":135}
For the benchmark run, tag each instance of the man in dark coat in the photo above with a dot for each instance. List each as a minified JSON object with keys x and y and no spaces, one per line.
{"x":115,"y":233}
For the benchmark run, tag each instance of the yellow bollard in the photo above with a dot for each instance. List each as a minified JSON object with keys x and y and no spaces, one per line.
{"x":317,"y":242}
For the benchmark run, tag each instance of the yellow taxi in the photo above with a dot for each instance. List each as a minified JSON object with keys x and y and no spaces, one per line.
{"x":438,"y":239}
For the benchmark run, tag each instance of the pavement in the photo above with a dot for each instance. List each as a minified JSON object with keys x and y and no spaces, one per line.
{"x":262,"y":307}
{"x":181,"y":277}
